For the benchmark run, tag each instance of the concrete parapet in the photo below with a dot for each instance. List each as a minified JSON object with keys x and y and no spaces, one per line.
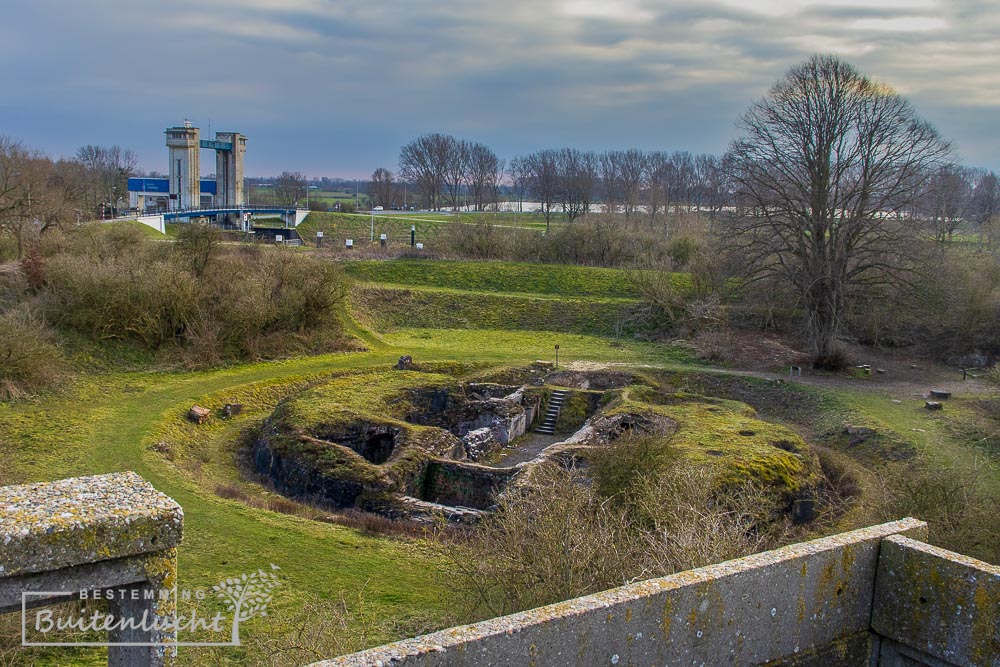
{"x":803,"y":604}
{"x":93,"y":533}
{"x":936,"y":603}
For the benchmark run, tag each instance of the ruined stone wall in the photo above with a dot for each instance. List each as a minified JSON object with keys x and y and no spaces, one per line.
{"x":463,"y":484}
{"x":874,"y":596}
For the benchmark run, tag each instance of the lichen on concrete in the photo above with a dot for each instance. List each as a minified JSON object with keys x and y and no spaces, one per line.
{"x":52,"y":525}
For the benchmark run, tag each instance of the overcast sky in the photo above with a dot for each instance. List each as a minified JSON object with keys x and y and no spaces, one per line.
{"x":336,"y":87}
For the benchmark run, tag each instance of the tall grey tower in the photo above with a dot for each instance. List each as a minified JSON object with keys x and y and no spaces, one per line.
{"x":229,"y":169}
{"x":185,"y":179}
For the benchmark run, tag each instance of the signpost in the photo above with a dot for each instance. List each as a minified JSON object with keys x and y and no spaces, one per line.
{"x":319,"y":239}
{"x":557,"y":356}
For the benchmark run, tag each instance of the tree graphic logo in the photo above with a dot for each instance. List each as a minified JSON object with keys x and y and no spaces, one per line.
{"x":248,"y":596}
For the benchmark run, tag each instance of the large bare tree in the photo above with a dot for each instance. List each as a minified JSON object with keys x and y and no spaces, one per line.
{"x":485,"y":173}
{"x":424,"y":162}
{"x":825,"y":162}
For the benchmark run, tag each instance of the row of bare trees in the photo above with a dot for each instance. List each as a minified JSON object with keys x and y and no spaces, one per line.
{"x":445,"y":171}
{"x":955,"y":195}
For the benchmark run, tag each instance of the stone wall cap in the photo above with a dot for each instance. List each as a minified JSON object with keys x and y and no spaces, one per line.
{"x":52,"y":525}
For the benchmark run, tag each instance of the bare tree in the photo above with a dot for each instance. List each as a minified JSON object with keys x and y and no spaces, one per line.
{"x":383,"y":188}
{"x":825,"y":160}
{"x":456,"y":169}
{"x":985,"y":203}
{"x":577,"y":178}
{"x":611,"y":181}
{"x":36,"y":194}
{"x":656,"y":192}
{"x":632,"y":172}
{"x":544,"y":181}
{"x":289,"y":187}
{"x":944,"y":199}
{"x":485,"y":170}
{"x":108,"y":169}
{"x":424,"y":162}
{"x":519,"y":172}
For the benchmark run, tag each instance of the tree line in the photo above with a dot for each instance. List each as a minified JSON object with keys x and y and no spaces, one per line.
{"x":438,"y":171}
{"x":446,"y":172}
{"x":38,"y":192}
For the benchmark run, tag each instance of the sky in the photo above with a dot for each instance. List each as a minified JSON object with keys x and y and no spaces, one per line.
{"x":335,"y":88}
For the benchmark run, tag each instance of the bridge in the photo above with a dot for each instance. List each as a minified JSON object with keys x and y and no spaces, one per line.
{"x":241,"y":216}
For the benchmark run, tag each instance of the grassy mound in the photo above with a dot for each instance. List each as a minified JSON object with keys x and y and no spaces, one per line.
{"x":728,"y":435}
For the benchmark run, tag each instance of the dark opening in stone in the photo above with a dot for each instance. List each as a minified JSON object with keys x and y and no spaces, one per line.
{"x":378,"y":448}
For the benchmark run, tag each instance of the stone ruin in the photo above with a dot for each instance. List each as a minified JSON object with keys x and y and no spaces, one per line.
{"x":432,"y":470}
{"x":437,"y":457}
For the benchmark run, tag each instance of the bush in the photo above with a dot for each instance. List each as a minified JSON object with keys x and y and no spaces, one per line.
{"x":961,"y":515}
{"x":213,"y":303}
{"x":29,"y":359}
{"x":134,"y":296}
{"x":562,"y":537}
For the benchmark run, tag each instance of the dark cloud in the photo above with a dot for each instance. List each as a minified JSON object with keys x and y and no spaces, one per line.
{"x":330,"y":87}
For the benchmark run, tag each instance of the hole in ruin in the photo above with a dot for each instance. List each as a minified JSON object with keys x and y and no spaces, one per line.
{"x":748,"y":432}
{"x":923,"y":600}
{"x":379,"y":448}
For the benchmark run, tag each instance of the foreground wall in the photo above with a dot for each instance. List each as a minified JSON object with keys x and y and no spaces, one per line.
{"x":805,"y":604}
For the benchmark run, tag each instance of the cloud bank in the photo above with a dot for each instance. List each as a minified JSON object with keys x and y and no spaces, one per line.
{"x":334,"y":88}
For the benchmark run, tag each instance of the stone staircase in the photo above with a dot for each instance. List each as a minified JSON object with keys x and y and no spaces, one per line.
{"x":548,"y":425}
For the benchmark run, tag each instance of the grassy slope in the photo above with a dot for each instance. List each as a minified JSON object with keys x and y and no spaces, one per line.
{"x":508,"y":277}
{"x":497,"y":295}
{"x":107,"y":423}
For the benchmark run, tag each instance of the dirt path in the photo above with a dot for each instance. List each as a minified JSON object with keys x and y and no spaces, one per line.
{"x":527,"y":450}
{"x":903,"y":376}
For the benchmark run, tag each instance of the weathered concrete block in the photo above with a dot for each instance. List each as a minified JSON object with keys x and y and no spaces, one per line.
{"x":198,"y":414}
{"x":814,"y":597}
{"x":91,"y":533}
{"x":83,"y":520}
{"x":938,"y":602}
